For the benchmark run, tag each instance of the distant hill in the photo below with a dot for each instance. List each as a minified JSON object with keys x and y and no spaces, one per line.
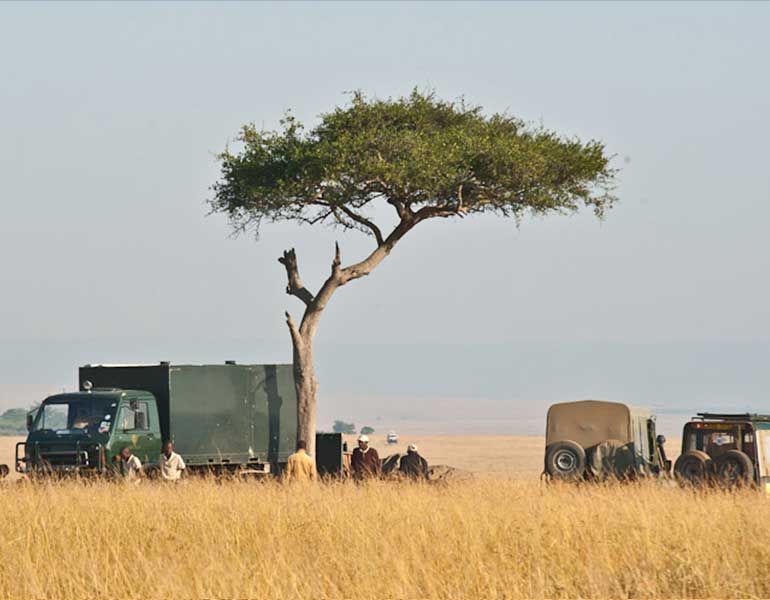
{"x":13,"y":422}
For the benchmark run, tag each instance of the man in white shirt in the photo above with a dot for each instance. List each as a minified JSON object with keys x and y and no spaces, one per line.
{"x":171,"y":464}
{"x":132,"y":466}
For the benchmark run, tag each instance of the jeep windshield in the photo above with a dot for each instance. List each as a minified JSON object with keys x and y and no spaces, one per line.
{"x":78,"y":415}
{"x":715,"y":439}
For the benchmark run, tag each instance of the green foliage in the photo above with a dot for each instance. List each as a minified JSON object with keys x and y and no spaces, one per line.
{"x":425,"y":156}
{"x":342,"y":427}
{"x":13,"y":422}
{"x":367,"y":430}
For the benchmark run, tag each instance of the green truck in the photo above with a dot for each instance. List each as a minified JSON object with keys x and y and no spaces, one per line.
{"x":221,"y":418}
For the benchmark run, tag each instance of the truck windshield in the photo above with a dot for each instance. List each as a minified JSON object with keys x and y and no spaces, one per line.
{"x":76,"y":415}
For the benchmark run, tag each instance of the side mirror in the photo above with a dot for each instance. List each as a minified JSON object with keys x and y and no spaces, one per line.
{"x":30,"y":421}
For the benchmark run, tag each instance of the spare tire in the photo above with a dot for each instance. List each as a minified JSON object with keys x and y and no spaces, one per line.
{"x":611,"y":458}
{"x":694,"y":466}
{"x":734,"y":468}
{"x":565,"y":460}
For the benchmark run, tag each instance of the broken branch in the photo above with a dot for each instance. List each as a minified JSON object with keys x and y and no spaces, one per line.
{"x":294,"y":286}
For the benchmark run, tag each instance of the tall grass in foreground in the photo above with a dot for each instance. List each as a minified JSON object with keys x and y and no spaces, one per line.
{"x":384,"y":540}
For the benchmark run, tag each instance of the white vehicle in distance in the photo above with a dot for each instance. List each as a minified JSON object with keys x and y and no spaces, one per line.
{"x":392,"y":437}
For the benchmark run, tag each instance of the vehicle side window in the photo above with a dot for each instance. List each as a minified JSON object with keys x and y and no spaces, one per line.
{"x":134,"y":417}
{"x":651,"y":440}
{"x":748,"y":443}
{"x":142,"y":418}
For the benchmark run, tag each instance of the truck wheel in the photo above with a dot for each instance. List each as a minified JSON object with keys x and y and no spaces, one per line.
{"x":734,"y":468}
{"x":565,"y":460}
{"x":4,"y":470}
{"x":611,"y":458}
{"x":693,"y":466}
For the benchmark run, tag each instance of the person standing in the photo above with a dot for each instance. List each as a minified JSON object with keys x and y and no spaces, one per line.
{"x":365,"y":462}
{"x":413,"y":465}
{"x":171,"y":464}
{"x":301,"y":466}
{"x":132,"y":466}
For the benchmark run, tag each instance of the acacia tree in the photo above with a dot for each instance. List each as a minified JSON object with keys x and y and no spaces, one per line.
{"x":424,"y":158}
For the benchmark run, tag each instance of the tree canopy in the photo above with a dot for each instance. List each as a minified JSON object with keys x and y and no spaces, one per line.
{"x":424,"y":156}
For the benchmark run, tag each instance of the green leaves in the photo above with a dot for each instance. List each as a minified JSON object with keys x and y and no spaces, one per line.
{"x":424,"y":156}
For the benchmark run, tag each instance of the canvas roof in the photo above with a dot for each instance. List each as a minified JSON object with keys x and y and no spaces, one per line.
{"x":589,"y":422}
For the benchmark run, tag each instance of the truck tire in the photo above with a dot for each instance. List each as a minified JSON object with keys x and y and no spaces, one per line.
{"x":734,"y":468}
{"x":694,"y":466}
{"x":4,"y":470}
{"x":565,"y":460}
{"x":611,"y":459}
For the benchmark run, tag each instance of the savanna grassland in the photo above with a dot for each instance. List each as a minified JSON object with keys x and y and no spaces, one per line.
{"x":503,"y":535}
{"x":478,"y":539}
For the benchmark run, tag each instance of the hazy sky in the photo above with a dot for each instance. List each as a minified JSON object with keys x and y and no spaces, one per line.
{"x":110,"y":115}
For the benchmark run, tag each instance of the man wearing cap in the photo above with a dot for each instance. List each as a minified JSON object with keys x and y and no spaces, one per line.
{"x":413,"y":465}
{"x":365,"y":461}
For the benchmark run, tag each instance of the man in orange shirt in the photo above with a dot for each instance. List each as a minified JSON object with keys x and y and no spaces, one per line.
{"x":301,"y":466}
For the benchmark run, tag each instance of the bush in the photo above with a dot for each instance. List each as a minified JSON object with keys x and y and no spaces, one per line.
{"x":342,"y":427}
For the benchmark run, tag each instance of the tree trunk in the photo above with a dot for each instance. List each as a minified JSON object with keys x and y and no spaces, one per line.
{"x":302,"y":337}
{"x":306,"y":386}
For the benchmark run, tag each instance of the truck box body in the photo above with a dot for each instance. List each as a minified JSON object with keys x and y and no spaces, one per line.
{"x":215,"y":414}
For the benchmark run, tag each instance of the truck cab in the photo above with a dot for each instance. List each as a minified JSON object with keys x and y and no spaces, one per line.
{"x":84,"y":432}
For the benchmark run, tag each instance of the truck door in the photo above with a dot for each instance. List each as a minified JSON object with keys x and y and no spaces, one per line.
{"x":137,"y":426}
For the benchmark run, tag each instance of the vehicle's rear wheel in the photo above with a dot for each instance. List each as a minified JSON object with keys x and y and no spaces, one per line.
{"x":611,"y":459}
{"x":734,"y":468}
{"x":565,"y":460}
{"x":694,"y":466}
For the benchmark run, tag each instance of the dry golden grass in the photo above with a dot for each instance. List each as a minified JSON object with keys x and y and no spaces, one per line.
{"x":481,"y":539}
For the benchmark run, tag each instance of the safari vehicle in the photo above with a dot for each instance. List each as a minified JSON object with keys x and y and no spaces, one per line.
{"x":726,"y":449}
{"x":222,"y":418}
{"x":592,"y":439}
